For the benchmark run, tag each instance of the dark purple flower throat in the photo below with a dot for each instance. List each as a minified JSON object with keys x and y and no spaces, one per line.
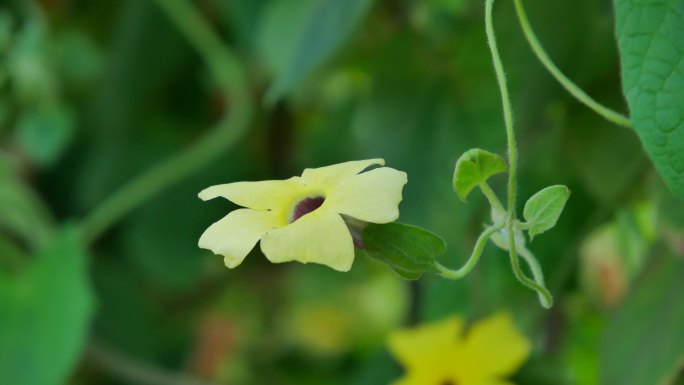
{"x":306,"y":206}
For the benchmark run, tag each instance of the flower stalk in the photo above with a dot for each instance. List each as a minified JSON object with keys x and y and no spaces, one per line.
{"x":571,"y":87}
{"x":474,"y":256}
{"x":510,"y":220}
{"x":231,"y":79}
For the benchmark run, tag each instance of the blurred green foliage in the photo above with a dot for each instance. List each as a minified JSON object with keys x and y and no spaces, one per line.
{"x":94,"y":93}
{"x":46,"y":309}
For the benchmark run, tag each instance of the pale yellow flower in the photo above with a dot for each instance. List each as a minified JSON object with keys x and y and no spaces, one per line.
{"x":442,"y":353}
{"x":305,"y":218}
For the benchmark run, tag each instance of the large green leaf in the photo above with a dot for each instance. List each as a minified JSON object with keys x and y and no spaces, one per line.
{"x":297,"y":36}
{"x":651,"y":40}
{"x":409,"y":250}
{"x":644,"y":341}
{"x":44,"y":315}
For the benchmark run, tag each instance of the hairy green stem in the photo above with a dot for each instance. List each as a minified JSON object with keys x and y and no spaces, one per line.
{"x":521,"y":225}
{"x":507,"y":109}
{"x":492,"y":198}
{"x":545,"y":296}
{"x":571,"y":87}
{"x":474,"y":256}
{"x":537,"y":273}
{"x":230,"y":76}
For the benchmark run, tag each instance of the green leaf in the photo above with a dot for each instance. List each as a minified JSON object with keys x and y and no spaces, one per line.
{"x":643,"y":342}
{"x":297,"y":36}
{"x":650,"y":37}
{"x":474,"y":167}
{"x":544,"y":208}
{"x":409,"y":250}
{"x":44,"y":315}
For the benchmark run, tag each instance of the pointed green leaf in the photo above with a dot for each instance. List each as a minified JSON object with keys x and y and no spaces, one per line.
{"x":409,"y":250}
{"x":474,"y":167}
{"x":544,"y":208}
{"x":650,"y":37}
{"x":297,"y":36}
{"x":44,"y":315}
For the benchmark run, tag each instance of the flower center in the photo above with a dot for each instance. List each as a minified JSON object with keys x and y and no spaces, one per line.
{"x":306,"y":206}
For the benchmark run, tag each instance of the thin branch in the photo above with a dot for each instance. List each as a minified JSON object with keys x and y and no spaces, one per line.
{"x":231,"y":78}
{"x":136,"y":372}
{"x":571,"y":87}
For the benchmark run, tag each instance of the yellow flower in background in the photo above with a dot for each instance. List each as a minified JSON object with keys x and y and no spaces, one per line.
{"x":313,"y":218}
{"x":443,"y":353}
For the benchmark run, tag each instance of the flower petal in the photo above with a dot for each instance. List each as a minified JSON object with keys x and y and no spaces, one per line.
{"x":372,"y":196}
{"x":426,"y":378}
{"x":262,"y":195}
{"x":320,"y":237}
{"x":237,"y":233}
{"x":483,"y":381}
{"x":495,"y":347}
{"x":329,"y":176}
{"x":428,"y":348}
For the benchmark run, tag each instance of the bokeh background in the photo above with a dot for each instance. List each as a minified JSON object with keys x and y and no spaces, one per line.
{"x":94,"y":93}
